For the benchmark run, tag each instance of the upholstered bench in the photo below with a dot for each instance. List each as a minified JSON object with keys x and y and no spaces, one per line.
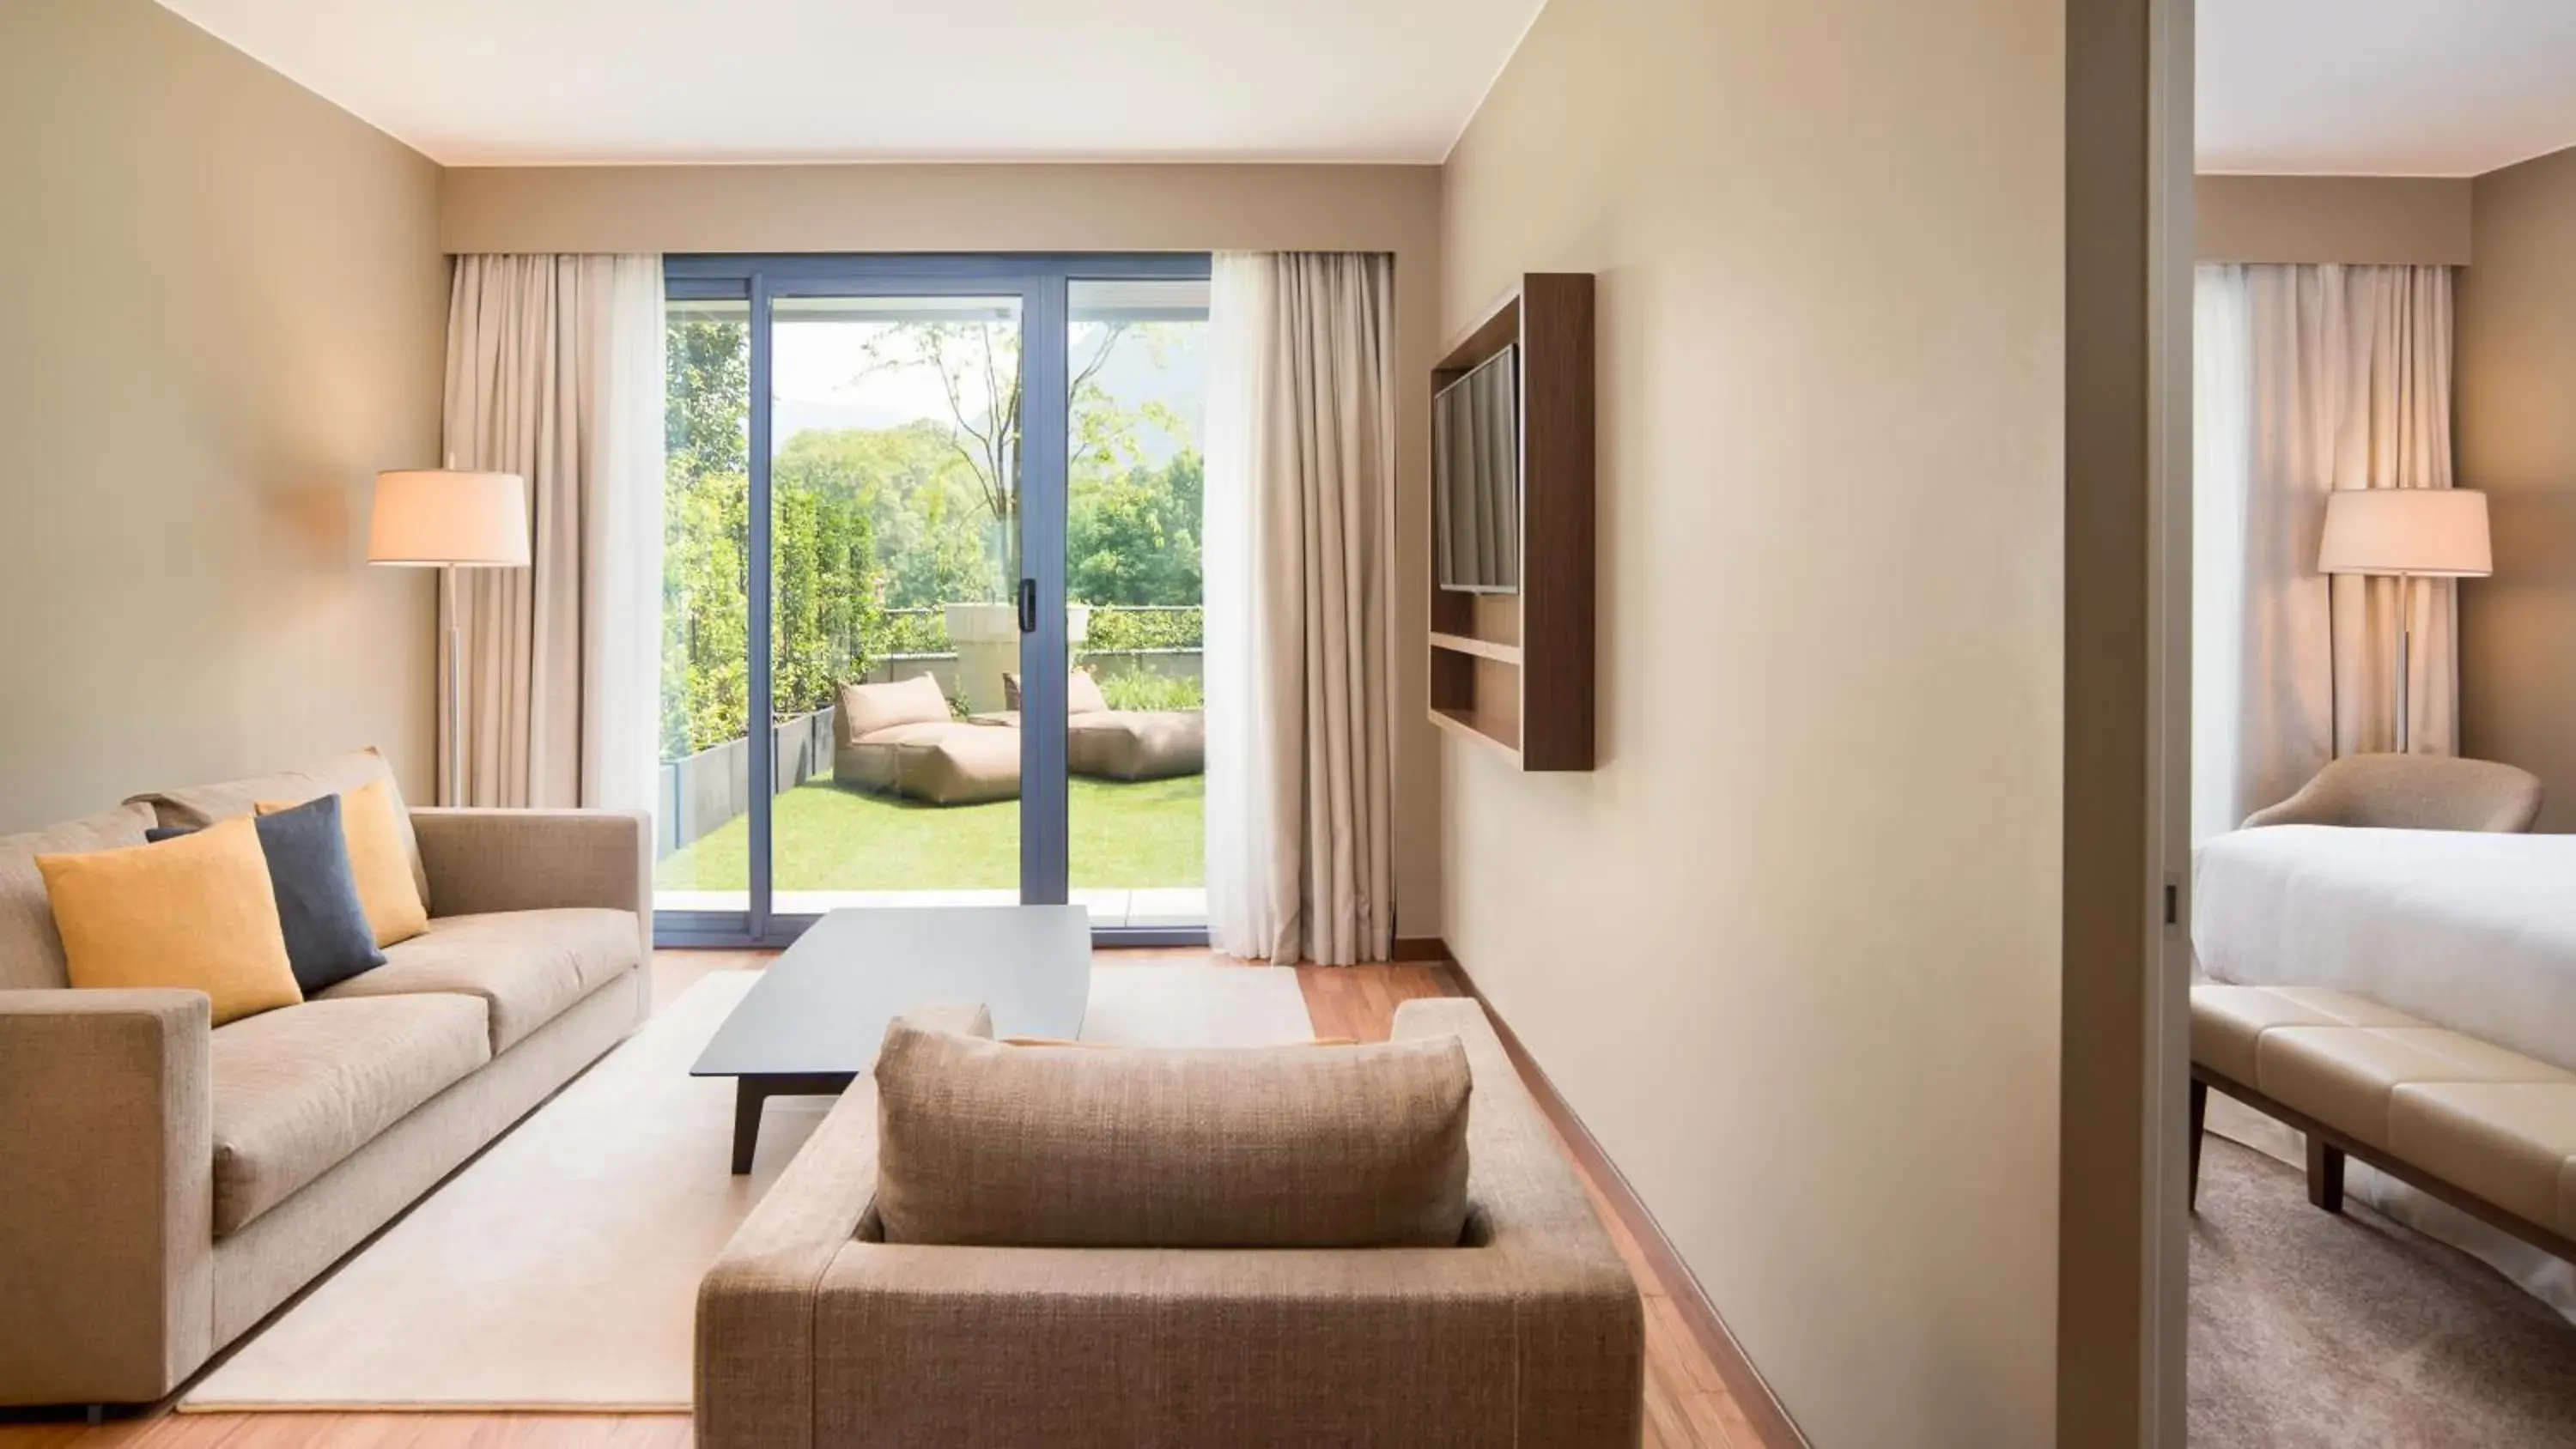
{"x":2486,"y":1130}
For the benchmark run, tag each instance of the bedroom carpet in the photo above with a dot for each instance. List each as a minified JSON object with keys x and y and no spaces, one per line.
{"x":559,"y":1270}
{"x":2311,"y":1330}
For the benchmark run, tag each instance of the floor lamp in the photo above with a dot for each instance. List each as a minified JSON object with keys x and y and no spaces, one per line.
{"x":2410,"y":534}
{"x":443,"y":519}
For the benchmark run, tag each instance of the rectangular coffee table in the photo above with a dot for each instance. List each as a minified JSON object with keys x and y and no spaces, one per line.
{"x":815,"y":1018}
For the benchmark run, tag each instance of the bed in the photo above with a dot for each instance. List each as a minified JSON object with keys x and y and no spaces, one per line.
{"x":2475,"y":932}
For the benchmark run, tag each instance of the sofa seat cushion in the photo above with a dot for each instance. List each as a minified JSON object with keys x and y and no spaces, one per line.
{"x":970,"y":765}
{"x":869,"y":763}
{"x":526,"y":966}
{"x":935,"y":764}
{"x":298,"y":1089}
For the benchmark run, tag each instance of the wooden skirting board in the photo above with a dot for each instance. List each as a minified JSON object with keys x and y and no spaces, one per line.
{"x":1753,"y":1396}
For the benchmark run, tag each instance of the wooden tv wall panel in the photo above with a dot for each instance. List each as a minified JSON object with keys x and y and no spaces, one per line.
{"x":1512,"y":673}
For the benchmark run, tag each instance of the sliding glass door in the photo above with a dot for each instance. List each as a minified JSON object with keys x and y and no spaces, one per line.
{"x":1137,"y":354}
{"x":934,"y":520}
{"x":895,"y":495}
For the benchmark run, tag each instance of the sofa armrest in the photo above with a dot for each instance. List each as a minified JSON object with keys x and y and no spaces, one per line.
{"x":755,"y":1328}
{"x":107,"y":1195}
{"x":526,"y":860}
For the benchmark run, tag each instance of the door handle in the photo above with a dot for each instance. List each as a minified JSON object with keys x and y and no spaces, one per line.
{"x":1028,"y":606}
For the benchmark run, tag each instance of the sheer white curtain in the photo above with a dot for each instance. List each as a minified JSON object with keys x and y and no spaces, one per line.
{"x":2307,"y":379}
{"x":2224,"y":738}
{"x":1299,"y":535}
{"x":554,"y":372}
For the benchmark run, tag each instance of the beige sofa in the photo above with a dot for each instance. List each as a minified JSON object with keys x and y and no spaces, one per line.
{"x":168,"y":1184}
{"x":814,"y":1331}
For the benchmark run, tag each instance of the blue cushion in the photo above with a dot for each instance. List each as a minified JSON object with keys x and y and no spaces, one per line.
{"x":328,"y":939}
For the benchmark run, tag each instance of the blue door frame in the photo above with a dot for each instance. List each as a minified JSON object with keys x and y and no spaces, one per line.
{"x":1041,"y":282}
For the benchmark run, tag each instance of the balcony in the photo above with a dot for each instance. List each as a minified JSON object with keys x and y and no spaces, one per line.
{"x":1136,"y":848}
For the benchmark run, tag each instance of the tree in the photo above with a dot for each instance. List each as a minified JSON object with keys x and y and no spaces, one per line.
{"x":910,"y":516}
{"x":1134,"y":539}
{"x":978,"y":368}
{"x":825,"y":605}
{"x":924,"y":509}
{"x":824,"y":610}
{"x":706,"y":687}
{"x":707,"y":397}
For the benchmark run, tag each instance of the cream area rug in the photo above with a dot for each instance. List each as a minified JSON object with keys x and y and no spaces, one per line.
{"x":559,"y":1271}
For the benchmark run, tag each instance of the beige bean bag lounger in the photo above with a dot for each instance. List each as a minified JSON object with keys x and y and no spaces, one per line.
{"x":898,"y":739}
{"x":1124,"y":744}
{"x":1136,"y":744}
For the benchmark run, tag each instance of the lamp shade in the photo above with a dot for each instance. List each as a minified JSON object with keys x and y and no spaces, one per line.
{"x":2433,"y":532}
{"x":437,"y":516}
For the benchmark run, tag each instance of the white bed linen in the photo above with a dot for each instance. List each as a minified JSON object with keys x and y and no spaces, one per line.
{"x":2470,"y":931}
{"x":2474,"y":932}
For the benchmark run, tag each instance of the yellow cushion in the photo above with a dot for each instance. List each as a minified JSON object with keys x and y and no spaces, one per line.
{"x":196,"y":912}
{"x":378,"y":858}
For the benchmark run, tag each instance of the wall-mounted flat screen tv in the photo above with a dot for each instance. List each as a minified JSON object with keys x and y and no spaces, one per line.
{"x":1476,"y":477}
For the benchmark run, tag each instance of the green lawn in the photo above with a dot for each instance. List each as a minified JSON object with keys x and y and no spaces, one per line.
{"x":831,"y":839}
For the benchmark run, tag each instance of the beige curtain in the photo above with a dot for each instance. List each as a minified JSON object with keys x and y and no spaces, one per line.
{"x":2345,"y":378}
{"x":554,"y":372}
{"x":1299,"y":537}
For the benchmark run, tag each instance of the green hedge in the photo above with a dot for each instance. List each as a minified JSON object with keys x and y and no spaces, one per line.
{"x":1115,"y":629}
{"x":1137,"y":690}
{"x":913,"y":631}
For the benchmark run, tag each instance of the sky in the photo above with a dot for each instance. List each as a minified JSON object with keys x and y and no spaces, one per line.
{"x":823,"y":379}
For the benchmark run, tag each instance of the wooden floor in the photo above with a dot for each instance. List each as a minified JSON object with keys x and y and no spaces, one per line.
{"x":1686,"y":1405}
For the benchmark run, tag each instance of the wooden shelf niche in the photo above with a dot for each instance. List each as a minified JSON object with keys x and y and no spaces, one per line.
{"x":1512,"y":673}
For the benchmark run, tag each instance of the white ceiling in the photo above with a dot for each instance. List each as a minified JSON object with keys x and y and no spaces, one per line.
{"x":2384,"y":87}
{"x":564,"y":81}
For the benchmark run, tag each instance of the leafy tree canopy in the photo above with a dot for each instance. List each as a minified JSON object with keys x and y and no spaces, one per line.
{"x":906,"y":517}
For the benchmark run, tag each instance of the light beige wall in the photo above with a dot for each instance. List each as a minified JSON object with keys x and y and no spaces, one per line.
{"x":1792,"y":950}
{"x":2359,"y":220}
{"x":1109,"y":208}
{"x":224,"y":313}
{"x":2514,"y":375}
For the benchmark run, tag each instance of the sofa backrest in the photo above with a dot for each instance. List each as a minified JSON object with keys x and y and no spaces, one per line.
{"x":196,"y":806}
{"x":1082,"y":1146}
{"x":1082,"y":694}
{"x":31,"y":954}
{"x":868,"y":708}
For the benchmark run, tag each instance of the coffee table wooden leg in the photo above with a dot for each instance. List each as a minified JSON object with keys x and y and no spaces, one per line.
{"x":749,"y":1097}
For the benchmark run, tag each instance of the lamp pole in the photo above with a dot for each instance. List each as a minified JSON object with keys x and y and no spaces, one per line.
{"x":2405,"y":652}
{"x":454,"y":668}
